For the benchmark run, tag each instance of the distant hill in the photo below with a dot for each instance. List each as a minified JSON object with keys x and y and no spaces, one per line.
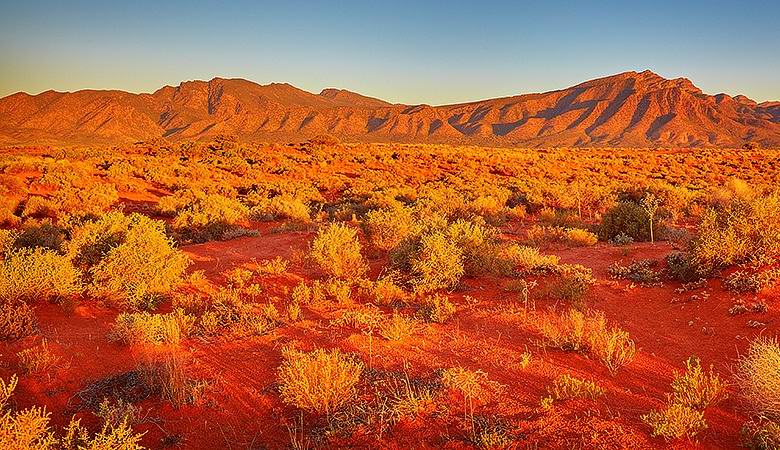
{"x":626,"y":110}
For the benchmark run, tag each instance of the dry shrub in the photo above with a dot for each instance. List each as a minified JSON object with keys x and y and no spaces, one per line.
{"x":229,"y":311}
{"x":437,"y":308}
{"x":437,"y":265}
{"x":386,"y":292}
{"x":202,"y":217}
{"x":398,"y":327}
{"x":696,"y":388}
{"x":284,"y":207}
{"x":640,"y":271}
{"x":29,"y":429}
{"x":17,"y":320}
{"x":575,"y":237}
{"x":567,"y":386}
{"x":44,"y":235}
{"x":571,"y":283}
{"x":37,"y":274}
{"x":528,"y":260}
{"x":387,"y":228}
{"x":276,"y":266}
{"x":336,"y":250}
{"x":478,"y":243}
{"x":588,"y":333}
{"x":167,"y":374}
{"x":320,"y":381}
{"x":366,"y":319}
{"x":743,"y":231}
{"x":745,"y":282}
{"x":758,"y":377}
{"x":676,"y":421}
{"x":146,"y":328}
{"x":131,"y":260}
{"x":37,"y":359}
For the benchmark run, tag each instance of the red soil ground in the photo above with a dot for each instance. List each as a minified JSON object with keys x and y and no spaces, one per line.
{"x":243,"y":409}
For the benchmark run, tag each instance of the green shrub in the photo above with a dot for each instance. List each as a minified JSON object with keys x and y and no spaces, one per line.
{"x":630,"y":219}
{"x":37,"y":274}
{"x":336,"y":249}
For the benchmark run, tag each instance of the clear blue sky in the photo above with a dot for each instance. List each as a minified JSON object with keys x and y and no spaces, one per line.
{"x":402,"y":51}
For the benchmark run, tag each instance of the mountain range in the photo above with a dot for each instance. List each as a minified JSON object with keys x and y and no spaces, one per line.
{"x":631,"y":109}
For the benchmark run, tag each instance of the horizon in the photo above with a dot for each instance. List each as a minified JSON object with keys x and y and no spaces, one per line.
{"x":430,"y":57}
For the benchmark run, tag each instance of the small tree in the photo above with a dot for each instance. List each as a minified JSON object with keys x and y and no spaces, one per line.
{"x":650,"y":204}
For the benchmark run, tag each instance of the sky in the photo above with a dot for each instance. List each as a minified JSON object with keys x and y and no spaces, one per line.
{"x":434,"y":52}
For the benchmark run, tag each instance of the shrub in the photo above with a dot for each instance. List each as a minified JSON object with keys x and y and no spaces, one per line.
{"x":17,"y":320}
{"x":336,"y":250}
{"x":44,"y":235}
{"x":276,"y":266}
{"x":437,"y":308}
{"x":681,"y":267}
{"x":745,"y":282}
{"x":675,"y":421}
{"x":131,"y":260}
{"x":37,"y":359}
{"x":761,"y":434}
{"x":387,"y":228}
{"x":386,"y":292}
{"x":639,"y":271}
{"x":571,"y":283}
{"x":397,"y":328}
{"x":145,"y":328}
{"x":477,"y":244}
{"x":37,"y":274}
{"x":744,"y":231}
{"x":576,"y":237}
{"x":167,"y":374}
{"x":205,"y":217}
{"x":580,"y":332}
{"x":758,"y":378}
{"x":528,"y":260}
{"x":566,"y":386}
{"x":320,"y":381}
{"x":630,"y":219}
{"x":229,"y":311}
{"x":437,"y":265}
{"x":696,"y":388}
{"x":283,"y":206}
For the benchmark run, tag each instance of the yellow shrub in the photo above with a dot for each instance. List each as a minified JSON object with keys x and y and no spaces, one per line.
{"x":696,"y":388}
{"x":386,"y":228}
{"x":758,"y":378}
{"x":142,"y":327}
{"x":17,"y":320}
{"x":567,"y":386}
{"x":437,"y":265}
{"x":336,"y":250}
{"x":37,"y":274}
{"x":320,"y":381}
{"x":676,"y":421}
{"x":437,"y":308}
{"x":133,"y":262}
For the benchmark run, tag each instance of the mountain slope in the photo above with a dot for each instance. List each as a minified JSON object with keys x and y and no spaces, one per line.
{"x":627,"y":109}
